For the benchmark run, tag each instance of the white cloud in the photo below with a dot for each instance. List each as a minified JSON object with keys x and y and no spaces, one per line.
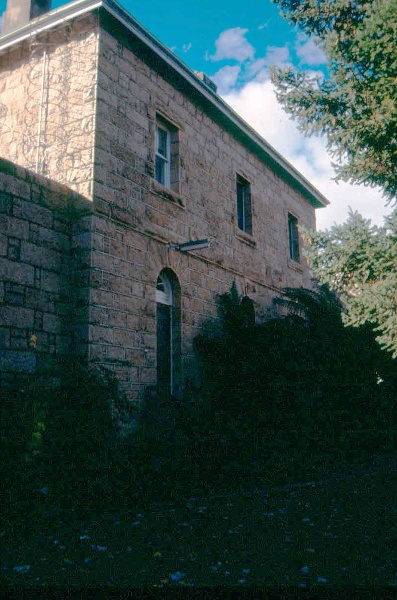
{"x":257,"y":104}
{"x":264,"y":25}
{"x":256,"y":67}
{"x":226,"y":78}
{"x":257,"y":70}
{"x":232,"y":44}
{"x":277,"y":55}
{"x":186,"y":47}
{"x":308,"y":52}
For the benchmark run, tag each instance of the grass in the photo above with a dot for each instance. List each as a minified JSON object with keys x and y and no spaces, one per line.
{"x":333,"y":533}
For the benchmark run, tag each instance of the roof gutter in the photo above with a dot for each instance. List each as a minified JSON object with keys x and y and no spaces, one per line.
{"x":80,"y":7}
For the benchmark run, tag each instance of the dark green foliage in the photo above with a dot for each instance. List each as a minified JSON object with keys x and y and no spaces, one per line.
{"x":295,"y":383}
{"x":58,"y":433}
{"x":22,"y":424}
{"x":355,"y":105}
{"x":358,"y":261}
{"x":275,"y":398}
{"x":79,"y":431}
{"x":355,"y":108}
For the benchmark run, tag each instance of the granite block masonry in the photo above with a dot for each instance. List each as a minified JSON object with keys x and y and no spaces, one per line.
{"x":88,"y":265}
{"x":40,"y":266}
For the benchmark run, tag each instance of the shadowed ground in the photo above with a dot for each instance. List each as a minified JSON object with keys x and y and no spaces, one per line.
{"x":335,"y":532}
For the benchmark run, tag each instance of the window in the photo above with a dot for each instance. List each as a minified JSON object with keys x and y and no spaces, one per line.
{"x":293,"y":235}
{"x":167,"y":155}
{"x":168,"y":325}
{"x":244,"y":213}
{"x":163,"y":156}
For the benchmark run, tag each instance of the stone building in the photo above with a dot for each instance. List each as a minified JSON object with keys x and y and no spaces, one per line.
{"x":116,"y":156}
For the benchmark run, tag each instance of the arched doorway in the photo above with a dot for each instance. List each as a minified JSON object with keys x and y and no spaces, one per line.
{"x":168,"y":327}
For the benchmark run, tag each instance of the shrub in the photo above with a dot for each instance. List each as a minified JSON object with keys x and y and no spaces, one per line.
{"x":61,"y":434}
{"x":292,"y":384}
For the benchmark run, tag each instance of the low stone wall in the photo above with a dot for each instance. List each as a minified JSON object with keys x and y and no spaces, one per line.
{"x":44,"y":257}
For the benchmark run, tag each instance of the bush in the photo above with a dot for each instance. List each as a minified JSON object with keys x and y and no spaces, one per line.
{"x":296,"y":384}
{"x":61,"y":435}
{"x":284,"y":399}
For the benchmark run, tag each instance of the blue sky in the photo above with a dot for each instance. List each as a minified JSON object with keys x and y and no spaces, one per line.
{"x":235,"y":42}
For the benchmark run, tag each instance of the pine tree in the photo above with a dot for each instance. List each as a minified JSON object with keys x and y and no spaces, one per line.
{"x":355,"y":104}
{"x":358,"y":261}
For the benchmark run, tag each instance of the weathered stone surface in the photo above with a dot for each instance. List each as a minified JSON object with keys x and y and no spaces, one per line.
{"x":62,"y":149}
{"x":16,"y":316}
{"x":36,"y":293}
{"x":88,"y":267}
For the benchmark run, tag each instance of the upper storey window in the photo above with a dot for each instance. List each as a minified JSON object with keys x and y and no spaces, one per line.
{"x":163,"y":155}
{"x":244,"y":212}
{"x":167,"y":155}
{"x":293,"y":234}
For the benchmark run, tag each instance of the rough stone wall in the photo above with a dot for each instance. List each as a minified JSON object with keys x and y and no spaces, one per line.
{"x":96,"y":133}
{"x":47,"y":103}
{"x":136,"y":218}
{"x":44,"y":245}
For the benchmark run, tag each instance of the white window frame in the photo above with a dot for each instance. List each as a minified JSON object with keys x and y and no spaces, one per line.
{"x":165,"y":160}
{"x":164,"y":295}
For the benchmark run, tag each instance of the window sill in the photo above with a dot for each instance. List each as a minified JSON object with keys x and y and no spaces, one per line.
{"x":293,"y":264}
{"x":247,"y":238}
{"x":167,"y":193}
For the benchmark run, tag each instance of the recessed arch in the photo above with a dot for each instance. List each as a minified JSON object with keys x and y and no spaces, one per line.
{"x":168,"y":332}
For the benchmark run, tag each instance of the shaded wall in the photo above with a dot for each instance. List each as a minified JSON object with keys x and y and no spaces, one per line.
{"x":44,"y":254}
